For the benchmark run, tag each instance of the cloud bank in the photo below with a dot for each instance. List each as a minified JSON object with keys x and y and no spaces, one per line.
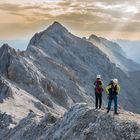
{"x":116,"y":19}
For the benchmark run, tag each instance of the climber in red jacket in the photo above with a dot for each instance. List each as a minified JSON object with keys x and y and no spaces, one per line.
{"x":98,"y":91}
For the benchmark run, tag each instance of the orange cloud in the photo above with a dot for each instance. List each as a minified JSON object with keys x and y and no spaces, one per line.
{"x":105,"y":17}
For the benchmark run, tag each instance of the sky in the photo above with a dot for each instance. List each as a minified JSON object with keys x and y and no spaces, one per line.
{"x":112,"y":19}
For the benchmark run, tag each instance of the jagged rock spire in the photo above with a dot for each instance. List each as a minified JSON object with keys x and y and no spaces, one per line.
{"x":55,"y":28}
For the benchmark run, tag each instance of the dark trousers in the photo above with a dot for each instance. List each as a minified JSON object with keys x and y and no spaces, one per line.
{"x":115,"y":103}
{"x":98,"y":97}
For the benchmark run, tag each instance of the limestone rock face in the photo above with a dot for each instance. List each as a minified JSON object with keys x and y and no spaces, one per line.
{"x":115,"y":53}
{"x":81,"y":122}
{"x":84,"y":123}
{"x":74,"y":62}
{"x":57,"y":70}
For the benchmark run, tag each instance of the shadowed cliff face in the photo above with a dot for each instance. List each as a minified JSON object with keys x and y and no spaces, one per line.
{"x":7,"y":54}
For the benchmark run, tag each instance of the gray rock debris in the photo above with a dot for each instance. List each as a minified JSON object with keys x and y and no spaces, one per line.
{"x":84,"y":123}
{"x":32,"y":127}
{"x":80,"y":122}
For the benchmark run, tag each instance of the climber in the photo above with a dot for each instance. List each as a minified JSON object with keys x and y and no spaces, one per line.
{"x":98,"y":84}
{"x":112,"y":90}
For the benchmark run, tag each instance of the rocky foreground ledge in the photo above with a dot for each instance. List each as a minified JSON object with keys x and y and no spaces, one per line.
{"x":81,"y":122}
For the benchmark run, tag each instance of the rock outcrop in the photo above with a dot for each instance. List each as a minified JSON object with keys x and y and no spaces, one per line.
{"x":115,"y":53}
{"x":81,"y":122}
{"x":84,"y":123}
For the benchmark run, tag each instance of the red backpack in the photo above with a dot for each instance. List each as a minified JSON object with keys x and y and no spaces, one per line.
{"x":98,"y":86}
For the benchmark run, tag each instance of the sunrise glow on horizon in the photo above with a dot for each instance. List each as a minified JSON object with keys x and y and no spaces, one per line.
{"x":20,"y":19}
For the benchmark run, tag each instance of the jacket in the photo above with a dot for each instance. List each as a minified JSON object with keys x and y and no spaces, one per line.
{"x":98,"y":86}
{"x":111,"y":90}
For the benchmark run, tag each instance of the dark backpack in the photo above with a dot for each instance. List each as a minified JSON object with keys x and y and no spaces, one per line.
{"x":98,"y":86}
{"x":113,"y":91}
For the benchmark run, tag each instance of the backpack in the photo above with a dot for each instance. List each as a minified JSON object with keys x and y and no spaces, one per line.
{"x":113,"y":91}
{"x":98,"y":86}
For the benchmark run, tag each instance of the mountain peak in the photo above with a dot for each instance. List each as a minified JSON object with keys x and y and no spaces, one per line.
{"x":57,"y":27}
{"x":7,"y":49}
{"x":5,"y":46}
{"x":56,"y":23}
{"x":94,"y":37}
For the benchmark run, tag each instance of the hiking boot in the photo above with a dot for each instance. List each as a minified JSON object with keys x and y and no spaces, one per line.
{"x":107,"y":111}
{"x":116,"y":113}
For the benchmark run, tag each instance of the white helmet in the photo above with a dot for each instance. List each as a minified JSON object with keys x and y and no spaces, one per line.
{"x":98,"y":76}
{"x":115,"y":81}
